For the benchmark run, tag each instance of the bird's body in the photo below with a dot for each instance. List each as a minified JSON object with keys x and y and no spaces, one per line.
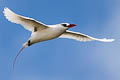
{"x":42,"y":32}
{"x":46,"y":34}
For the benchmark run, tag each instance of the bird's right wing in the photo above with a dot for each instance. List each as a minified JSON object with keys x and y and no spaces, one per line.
{"x":28,"y":23}
{"x":82,"y":37}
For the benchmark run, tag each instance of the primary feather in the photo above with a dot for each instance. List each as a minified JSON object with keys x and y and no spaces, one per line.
{"x":82,"y":37}
{"x":27,"y":23}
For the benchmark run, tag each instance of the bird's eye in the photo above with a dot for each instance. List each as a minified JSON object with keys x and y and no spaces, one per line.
{"x":65,"y":25}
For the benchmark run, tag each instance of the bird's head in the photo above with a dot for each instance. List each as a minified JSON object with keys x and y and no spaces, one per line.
{"x":67,"y":25}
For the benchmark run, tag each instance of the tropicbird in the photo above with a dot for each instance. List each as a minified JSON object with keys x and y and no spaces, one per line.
{"x":42,"y":32}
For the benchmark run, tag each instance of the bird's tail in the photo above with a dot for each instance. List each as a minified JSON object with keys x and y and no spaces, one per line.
{"x":24,"y":46}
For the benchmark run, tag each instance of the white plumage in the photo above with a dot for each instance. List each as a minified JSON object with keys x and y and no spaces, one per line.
{"x":82,"y":37}
{"x":30,"y":24}
{"x":27,"y":23}
{"x":42,"y":32}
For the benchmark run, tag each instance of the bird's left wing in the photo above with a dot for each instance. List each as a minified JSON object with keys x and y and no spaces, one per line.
{"x":28,"y":23}
{"x":82,"y":37}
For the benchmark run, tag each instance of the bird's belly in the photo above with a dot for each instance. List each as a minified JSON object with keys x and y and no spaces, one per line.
{"x":45,"y":35}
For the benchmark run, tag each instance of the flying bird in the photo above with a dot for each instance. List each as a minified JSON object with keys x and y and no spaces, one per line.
{"x":42,"y":32}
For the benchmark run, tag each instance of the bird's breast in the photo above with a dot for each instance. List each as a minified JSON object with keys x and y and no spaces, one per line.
{"x":46,"y":34}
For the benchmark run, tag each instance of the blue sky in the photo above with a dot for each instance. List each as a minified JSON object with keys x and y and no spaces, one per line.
{"x":62,"y":59}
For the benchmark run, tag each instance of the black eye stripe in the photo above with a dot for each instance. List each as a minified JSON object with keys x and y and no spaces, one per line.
{"x":65,"y":25}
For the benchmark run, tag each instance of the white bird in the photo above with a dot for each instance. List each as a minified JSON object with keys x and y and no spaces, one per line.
{"x":42,"y":32}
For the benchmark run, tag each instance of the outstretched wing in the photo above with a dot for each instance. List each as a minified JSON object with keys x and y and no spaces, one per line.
{"x":28,"y":23}
{"x":82,"y":37}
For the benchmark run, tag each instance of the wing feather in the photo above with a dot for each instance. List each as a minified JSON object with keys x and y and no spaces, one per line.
{"x":27,"y":23}
{"x":82,"y":37}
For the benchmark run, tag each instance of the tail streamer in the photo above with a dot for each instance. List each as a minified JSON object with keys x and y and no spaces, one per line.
{"x":17,"y":56}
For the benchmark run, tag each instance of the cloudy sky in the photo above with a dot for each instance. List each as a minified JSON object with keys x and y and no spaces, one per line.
{"x":62,"y":59}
